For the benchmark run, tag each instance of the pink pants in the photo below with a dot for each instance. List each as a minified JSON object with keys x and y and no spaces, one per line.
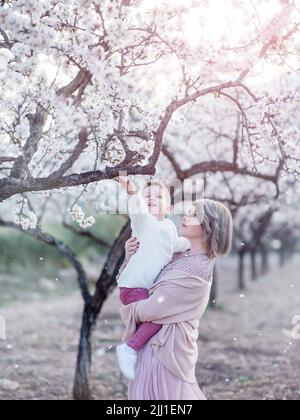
{"x":144,"y":331}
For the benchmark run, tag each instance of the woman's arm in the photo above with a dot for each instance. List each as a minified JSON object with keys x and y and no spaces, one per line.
{"x":161,"y":306}
{"x":176,"y":299}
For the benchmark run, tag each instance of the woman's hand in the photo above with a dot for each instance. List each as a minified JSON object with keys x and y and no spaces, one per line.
{"x":132,"y":246}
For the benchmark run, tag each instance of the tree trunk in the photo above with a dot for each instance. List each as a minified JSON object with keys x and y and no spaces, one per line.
{"x":242,"y":284}
{"x":107,"y":280}
{"x":105,"y":285}
{"x":214,"y":289}
{"x":282,"y":256}
{"x":254,"y":275}
{"x":81,"y":390}
{"x":264,"y":260}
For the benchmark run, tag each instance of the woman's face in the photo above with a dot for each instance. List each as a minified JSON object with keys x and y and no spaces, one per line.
{"x":191,"y":227}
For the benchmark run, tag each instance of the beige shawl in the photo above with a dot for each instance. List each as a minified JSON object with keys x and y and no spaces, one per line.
{"x":178,"y":302}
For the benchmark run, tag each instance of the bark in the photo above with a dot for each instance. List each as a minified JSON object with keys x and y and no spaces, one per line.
{"x":242,"y":284}
{"x":254,"y":273}
{"x":12,"y":186}
{"x":107,"y":279}
{"x":264,"y":260}
{"x":282,"y":256}
{"x":214,"y":288}
{"x":82,"y":388}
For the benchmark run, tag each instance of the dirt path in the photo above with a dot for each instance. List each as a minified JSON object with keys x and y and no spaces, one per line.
{"x":244,"y":348}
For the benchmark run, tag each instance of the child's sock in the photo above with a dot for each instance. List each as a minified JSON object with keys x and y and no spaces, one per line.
{"x":127,"y":358}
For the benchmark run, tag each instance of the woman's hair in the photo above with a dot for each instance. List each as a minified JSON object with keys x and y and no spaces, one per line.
{"x":217,"y":226}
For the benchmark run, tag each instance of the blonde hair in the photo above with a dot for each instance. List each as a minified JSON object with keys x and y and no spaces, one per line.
{"x":217,"y":226}
{"x":158,"y":183}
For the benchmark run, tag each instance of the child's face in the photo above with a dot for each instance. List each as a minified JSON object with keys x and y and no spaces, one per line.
{"x":157,"y":200}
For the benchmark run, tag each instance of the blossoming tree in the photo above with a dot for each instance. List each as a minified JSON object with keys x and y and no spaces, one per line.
{"x":89,"y":89}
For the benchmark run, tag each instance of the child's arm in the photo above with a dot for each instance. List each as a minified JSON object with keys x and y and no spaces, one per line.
{"x":181,"y":244}
{"x":137,"y":208}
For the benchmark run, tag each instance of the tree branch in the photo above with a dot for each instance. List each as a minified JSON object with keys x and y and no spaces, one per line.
{"x":87,"y":234}
{"x":62,"y":248}
{"x":82,"y":78}
{"x":6,"y":159}
{"x":217,"y":166}
{"x":12,"y":186}
{"x":37,"y":124}
{"x":6,"y":43}
{"x":68,"y":164}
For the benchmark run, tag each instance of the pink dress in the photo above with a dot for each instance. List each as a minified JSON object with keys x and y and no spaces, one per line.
{"x":154,"y":378}
{"x":154,"y":382}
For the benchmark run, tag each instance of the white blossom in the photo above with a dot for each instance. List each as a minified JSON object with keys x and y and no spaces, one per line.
{"x":79,"y":217}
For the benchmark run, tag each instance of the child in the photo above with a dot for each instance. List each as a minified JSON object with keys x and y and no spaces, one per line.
{"x":159,"y":240}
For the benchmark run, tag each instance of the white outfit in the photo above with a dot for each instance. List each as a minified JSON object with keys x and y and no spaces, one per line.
{"x":159,"y":240}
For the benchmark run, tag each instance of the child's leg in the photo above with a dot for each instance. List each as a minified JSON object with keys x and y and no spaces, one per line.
{"x":143,"y":334}
{"x":144,"y":331}
{"x":128,"y":296}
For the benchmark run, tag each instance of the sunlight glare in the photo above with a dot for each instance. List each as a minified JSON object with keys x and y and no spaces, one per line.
{"x":220,"y":20}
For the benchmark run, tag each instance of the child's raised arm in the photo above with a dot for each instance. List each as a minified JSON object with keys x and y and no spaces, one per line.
{"x":137,"y":209}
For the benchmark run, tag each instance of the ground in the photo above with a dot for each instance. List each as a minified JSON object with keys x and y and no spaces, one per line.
{"x":246,"y":351}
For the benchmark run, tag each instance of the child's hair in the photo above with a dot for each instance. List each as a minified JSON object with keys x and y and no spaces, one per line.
{"x":158,"y":183}
{"x":217,"y":226}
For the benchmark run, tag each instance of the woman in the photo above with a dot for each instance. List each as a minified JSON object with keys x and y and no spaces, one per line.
{"x":166,"y":366}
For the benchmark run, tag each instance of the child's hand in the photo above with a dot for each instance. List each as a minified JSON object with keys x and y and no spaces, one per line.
{"x":127,"y":184}
{"x":122,"y":180}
